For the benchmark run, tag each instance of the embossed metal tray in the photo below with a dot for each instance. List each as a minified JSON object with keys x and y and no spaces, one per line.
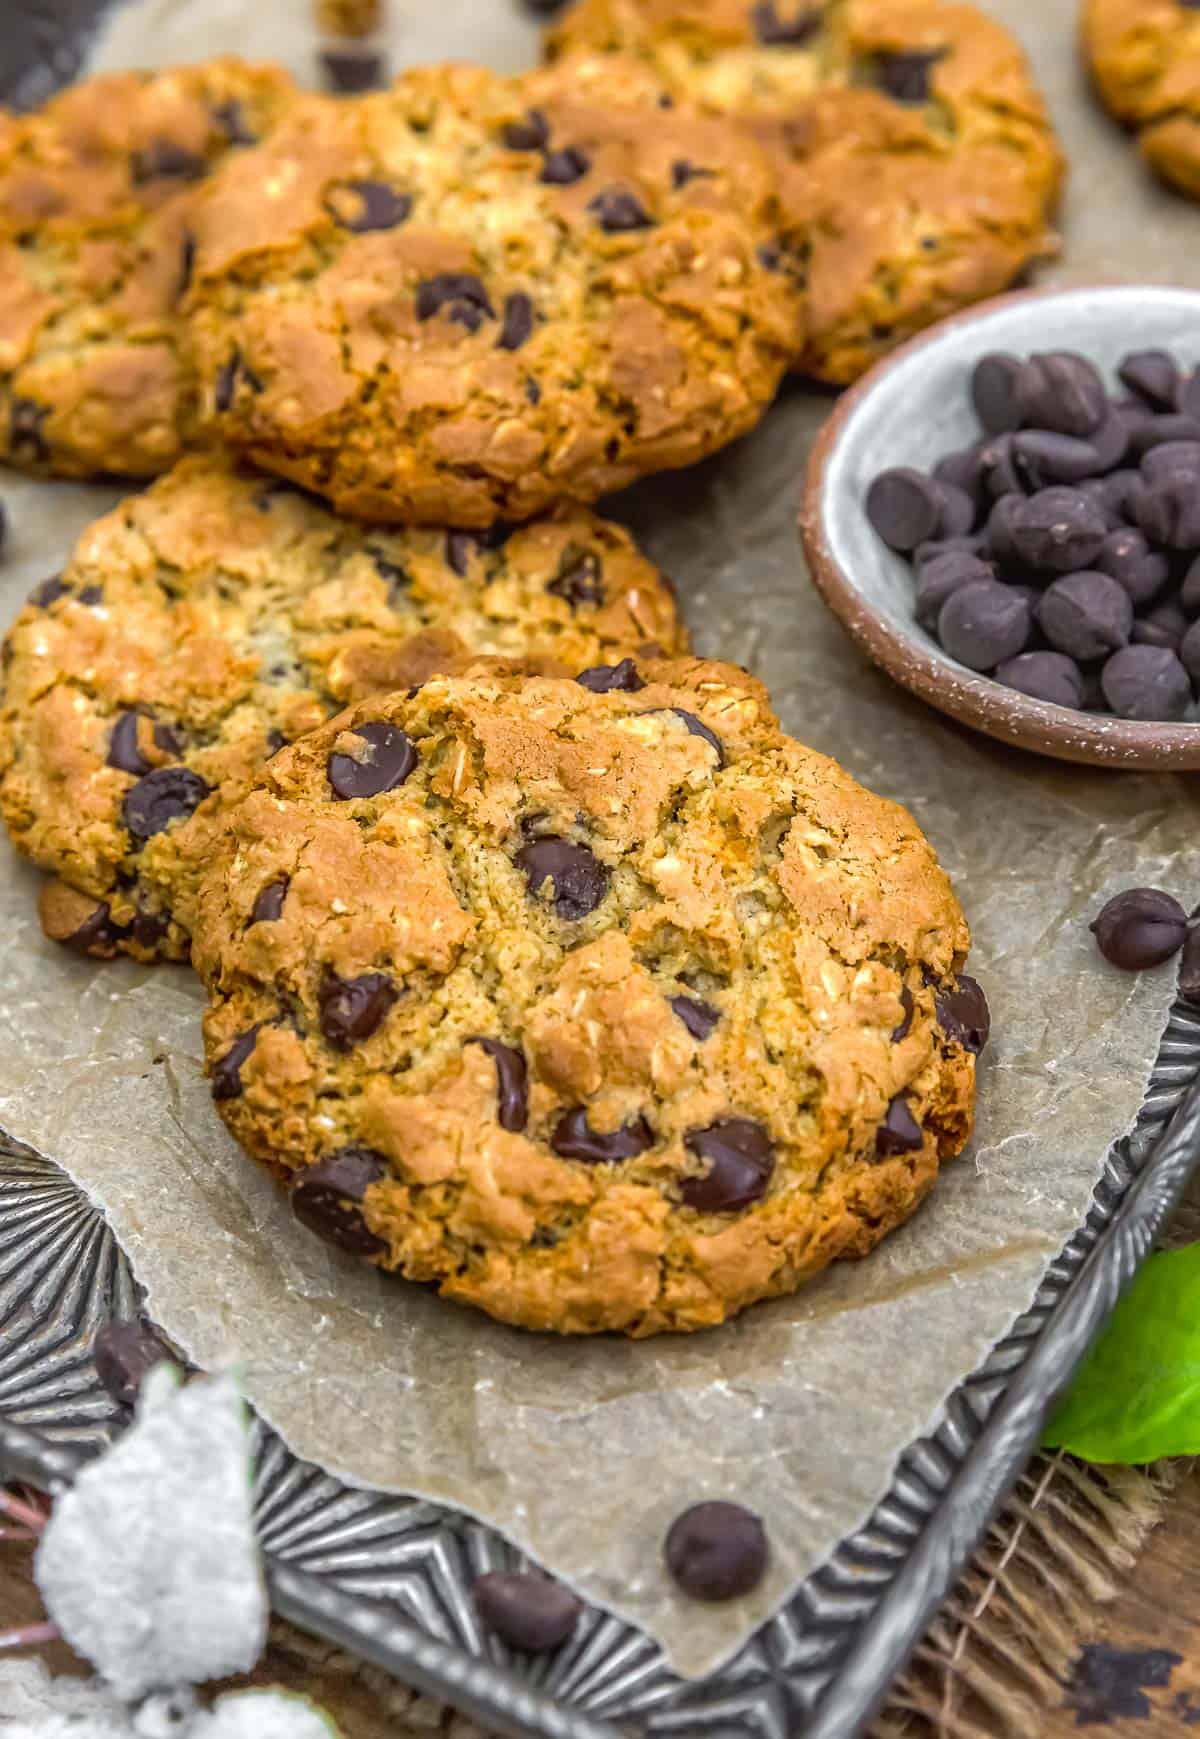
{"x":389,"y":1578}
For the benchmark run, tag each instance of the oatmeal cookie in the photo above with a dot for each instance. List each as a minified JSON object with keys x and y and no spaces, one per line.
{"x":1145,"y":58}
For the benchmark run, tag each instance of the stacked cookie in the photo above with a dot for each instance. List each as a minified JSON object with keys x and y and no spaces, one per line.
{"x":542,"y":965}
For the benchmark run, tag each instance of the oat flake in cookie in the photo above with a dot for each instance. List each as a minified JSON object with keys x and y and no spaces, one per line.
{"x":918,"y":167}
{"x":95,"y":252}
{"x":204,"y":624}
{"x":1145,"y":58}
{"x":597,"y":1010}
{"x":467,"y":296}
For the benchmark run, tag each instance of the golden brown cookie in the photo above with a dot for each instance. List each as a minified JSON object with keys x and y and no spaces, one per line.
{"x":95,"y":252}
{"x":917,"y":165}
{"x":205,"y":623}
{"x":598,"y":1005}
{"x":469,"y":296}
{"x":1145,"y":58}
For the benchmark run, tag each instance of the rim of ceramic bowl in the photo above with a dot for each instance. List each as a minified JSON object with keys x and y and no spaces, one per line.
{"x":965,"y":695}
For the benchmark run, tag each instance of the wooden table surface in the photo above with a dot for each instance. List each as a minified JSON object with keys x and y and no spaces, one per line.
{"x":1139,"y":1676}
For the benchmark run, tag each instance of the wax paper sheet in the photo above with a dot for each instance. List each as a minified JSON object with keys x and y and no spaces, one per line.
{"x":583,"y":1452}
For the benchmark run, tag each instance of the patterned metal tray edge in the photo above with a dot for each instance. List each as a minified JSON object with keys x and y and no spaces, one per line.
{"x":389,"y":1578}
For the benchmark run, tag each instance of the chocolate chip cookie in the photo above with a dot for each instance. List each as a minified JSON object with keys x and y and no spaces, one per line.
{"x":598,"y":1004}
{"x":468,"y":296}
{"x":95,"y":252}
{"x":1145,"y":58}
{"x":205,"y":623}
{"x":917,"y":164}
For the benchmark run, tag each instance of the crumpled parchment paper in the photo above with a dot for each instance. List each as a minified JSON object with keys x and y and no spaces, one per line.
{"x":583,"y":1452}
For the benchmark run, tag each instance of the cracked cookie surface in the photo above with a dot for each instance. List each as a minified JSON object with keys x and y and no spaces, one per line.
{"x":95,"y":252}
{"x":467,"y":296}
{"x":1145,"y":58}
{"x":598,"y":1006}
{"x":204,"y":623}
{"x":918,"y":168}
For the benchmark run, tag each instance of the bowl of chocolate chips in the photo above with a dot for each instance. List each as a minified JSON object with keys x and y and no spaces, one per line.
{"x":1005,"y":515}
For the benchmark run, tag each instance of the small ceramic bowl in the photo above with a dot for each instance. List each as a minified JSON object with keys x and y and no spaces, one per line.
{"x":910,"y":410}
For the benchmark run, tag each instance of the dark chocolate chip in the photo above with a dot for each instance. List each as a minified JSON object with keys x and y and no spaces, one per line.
{"x":1189,"y":395}
{"x":149,"y":928}
{"x":1141,"y":927}
{"x":1048,"y":676}
{"x":275,"y":741}
{"x":167,"y":160}
{"x":908,"y":1004}
{"x":1189,"y":968}
{"x":1041,"y":457}
{"x":226,"y":382}
{"x":1058,"y":530}
{"x":460,"y":294}
{"x":611,"y":678}
{"x":964,"y":469}
{"x":511,"y":1082}
{"x":48,"y":592}
{"x":741,"y":1158}
{"x":1169,"y":457}
{"x":354,"y":1008}
{"x":564,"y":167}
{"x":974,"y":545}
{"x":777,"y":32}
{"x":91,"y":596}
{"x":530,"y":134}
{"x":574,"y":1138}
{"x":268,"y":907}
{"x":230,"y":117}
{"x":1127,"y":556}
{"x":517,"y":325}
{"x":1153,"y":375}
{"x":363,"y":206}
{"x":579,"y":578}
{"x":618,"y":210}
{"x":958,"y":513}
{"x":1164,"y":625}
{"x":187,"y":263}
{"x":123,"y":750}
{"x":1116,"y":494}
{"x":124,"y":1354}
{"x":963,"y":1014}
{"x":905,"y":77}
{"x":1189,"y":651}
{"x":327,"y":1197}
{"x":1147,"y":683}
{"x":700,"y":1018}
{"x":25,"y":431}
{"x":683,"y":172}
{"x":697,"y":728}
{"x":905,"y":507}
{"x":998,"y":469}
{"x":1189,"y":592}
{"x":994,"y":391}
{"x":226,"y":1072}
{"x":352,"y":70}
{"x":533,"y":391}
{"x":899,"y":1132}
{"x":984,"y":623}
{"x":716,"y":1551}
{"x":167,"y":794}
{"x":1154,"y":432}
{"x":98,"y":935}
{"x":999,"y":545}
{"x":526,"y":1610}
{"x":1061,"y":391}
{"x":1110,"y":442}
{"x":578,"y":879}
{"x":937,"y":579}
{"x":386,"y":763}
{"x":1168,"y":510}
{"x":1086,"y":615}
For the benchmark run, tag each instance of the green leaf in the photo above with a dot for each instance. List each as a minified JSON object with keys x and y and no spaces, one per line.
{"x":1137,"y":1395}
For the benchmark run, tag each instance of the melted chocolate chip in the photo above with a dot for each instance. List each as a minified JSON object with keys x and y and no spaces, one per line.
{"x":526,"y":1610}
{"x":531,"y":134}
{"x":231,"y":119}
{"x":517,"y":326}
{"x":326,"y":1198}
{"x":226,"y":1072}
{"x":683,"y":172}
{"x":511,"y":1082}
{"x":533,"y":391}
{"x":164,"y":159}
{"x":617,"y":210}
{"x":268,"y":907}
{"x":396,"y":576}
{"x":460,"y":294}
{"x":908,"y":1005}
{"x":25,"y":436}
{"x":905,"y":77}
{"x":574,"y":1138}
{"x":362,"y":206}
{"x":741,"y":1158}
{"x":716,"y":1551}
{"x":899,"y":1132}
{"x":963,"y":1014}
{"x":124,"y":1354}
{"x":697,"y":728}
{"x":354,"y":1008}
{"x":149,"y":928}
{"x":167,"y":794}
{"x":610,"y":678}
{"x":562,"y":168}
{"x":226,"y":382}
{"x":579,"y":578}
{"x":778,"y":32}
{"x":578,"y":879}
{"x":123,"y":750}
{"x":387,"y":763}
{"x":700,"y":1018}
{"x":98,"y":935}
{"x":91,"y":596}
{"x":187,"y":262}
{"x":45,"y":594}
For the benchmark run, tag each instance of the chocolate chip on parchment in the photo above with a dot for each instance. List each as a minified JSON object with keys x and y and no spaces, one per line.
{"x":363,"y":206}
{"x":387,"y":760}
{"x":164,"y":795}
{"x":48,"y":592}
{"x":1147,"y":683}
{"x":226,"y":1072}
{"x":963,"y":1013}
{"x":716,"y":1551}
{"x":1139,"y":928}
{"x":327,"y":1198}
{"x":1153,"y":375}
{"x":905,"y":76}
{"x":511,"y":1082}
{"x":351,"y":1009}
{"x":165,"y":159}
{"x":564,"y":167}
{"x":579,"y":578}
{"x":611,"y":678}
{"x":124,"y":1354}
{"x":1086,"y":614}
{"x":984,"y":623}
{"x":1048,"y":676}
{"x":741,"y":1158}
{"x":617,"y":210}
{"x":700,"y":1018}
{"x":1062,"y":391}
{"x":530,"y":134}
{"x":578,"y":880}
{"x":517,"y":326}
{"x":784,"y":32}
{"x":268,"y":907}
{"x":525,"y":1609}
{"x":26,"y":435}
{"x":574,"y":1138}
{"x":461,"y":295}
{"x":899,"y":1132}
